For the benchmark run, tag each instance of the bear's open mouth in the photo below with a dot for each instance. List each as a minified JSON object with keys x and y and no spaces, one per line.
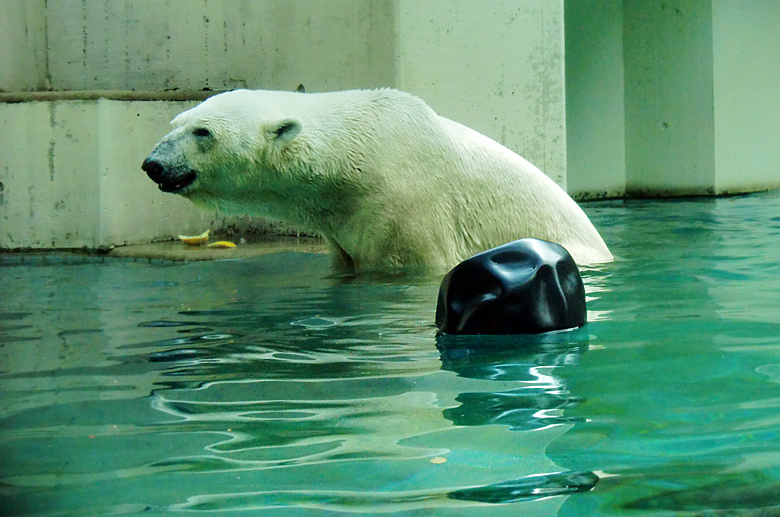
{"x":178,"y":183}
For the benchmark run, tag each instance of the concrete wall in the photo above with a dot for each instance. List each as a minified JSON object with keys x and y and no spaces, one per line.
{"x":23,"y":45}
{"x":746,"y":66}
{"x":494,"y":65}
{"x":668,"y":93}
{"x":681,"y":101}
{"x":595,"y":99}
{"x":220,"y":44}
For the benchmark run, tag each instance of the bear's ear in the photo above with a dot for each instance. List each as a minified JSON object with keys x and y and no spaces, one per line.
{"x":286,"y":130}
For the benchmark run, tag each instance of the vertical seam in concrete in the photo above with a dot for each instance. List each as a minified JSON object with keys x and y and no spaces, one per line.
{"x":105,"y":43}
{"x":126,"y":80}
{"x":502,"y":74}
{"x":103,"y":131}
{"x":52,"y":125}
{"x":544,"y":97}
{"x":206,"y":41}
{"x":715,"y":186}
{"x":84,"y":65}
{"x":394,"y":23}
{"x":47,"y":68}
{"x":562,"y":78}
{"x":623,"y":56}
{"x":168,"y":81}
{"x":396,"y":72}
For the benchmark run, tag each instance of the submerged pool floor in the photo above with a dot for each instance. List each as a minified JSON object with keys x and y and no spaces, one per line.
{"x":273,"y":386}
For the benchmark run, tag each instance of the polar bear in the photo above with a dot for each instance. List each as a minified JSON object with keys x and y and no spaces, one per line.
{"x":385,"y":180}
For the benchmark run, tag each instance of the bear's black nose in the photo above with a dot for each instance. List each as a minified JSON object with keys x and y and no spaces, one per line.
{"x":153,"y":169}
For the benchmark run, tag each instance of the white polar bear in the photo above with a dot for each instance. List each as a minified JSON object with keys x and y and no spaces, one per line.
{"x":384,"y":179}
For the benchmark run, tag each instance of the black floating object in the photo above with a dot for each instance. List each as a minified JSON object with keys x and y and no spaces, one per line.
{"x":528,"y":286}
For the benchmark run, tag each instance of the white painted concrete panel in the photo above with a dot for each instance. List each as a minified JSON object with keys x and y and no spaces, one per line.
{"x":71,"y":199}
{"x":22,"y":45}
{"x":595,"y":100}
{"x":220,"y":44}
{"x":669,"y":97}
{"x":496,"y":66}
{"x":25,"y":174}
{"x":746,"y":41}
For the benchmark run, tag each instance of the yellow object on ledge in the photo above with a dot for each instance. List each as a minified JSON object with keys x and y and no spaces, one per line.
{"x":195,"y":240}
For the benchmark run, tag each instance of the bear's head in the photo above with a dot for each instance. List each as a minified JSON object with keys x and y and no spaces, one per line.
{"x":230,"y":144}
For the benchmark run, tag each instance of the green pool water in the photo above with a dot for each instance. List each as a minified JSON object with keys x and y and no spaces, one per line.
{"x":273,"y":386}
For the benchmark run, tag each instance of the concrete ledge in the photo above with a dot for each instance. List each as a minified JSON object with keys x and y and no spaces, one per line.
{"x":179,"y":251}
{"x":115,"y":95}
{"x":168,"y":251}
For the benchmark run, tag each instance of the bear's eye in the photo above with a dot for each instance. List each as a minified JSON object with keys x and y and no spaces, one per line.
{"x":201,"y":131}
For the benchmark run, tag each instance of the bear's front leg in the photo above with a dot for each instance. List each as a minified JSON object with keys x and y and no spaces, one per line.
{"x":341,"y":259}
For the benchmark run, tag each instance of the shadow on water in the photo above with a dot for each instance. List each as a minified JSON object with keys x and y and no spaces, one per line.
{"x":753,"y":494}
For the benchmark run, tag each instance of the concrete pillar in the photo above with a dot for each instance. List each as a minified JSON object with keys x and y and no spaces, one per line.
{"x":746,"y":75}
{"x":669,"y":97}
{"x":595,"y":99}
{"x":696,"y":83}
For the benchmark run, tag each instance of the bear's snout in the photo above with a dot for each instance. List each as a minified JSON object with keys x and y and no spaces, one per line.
{"x":153,"y":169}
{"x":168,"y":179}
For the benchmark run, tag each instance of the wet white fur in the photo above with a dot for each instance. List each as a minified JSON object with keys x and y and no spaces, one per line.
{"x":379,"y":174}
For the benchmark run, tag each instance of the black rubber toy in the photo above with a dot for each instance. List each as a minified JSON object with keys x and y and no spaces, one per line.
{"x":528,"y":286}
